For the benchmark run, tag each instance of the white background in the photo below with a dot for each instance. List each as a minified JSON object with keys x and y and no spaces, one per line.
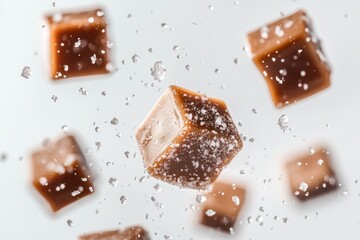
{"x":207,"y":39}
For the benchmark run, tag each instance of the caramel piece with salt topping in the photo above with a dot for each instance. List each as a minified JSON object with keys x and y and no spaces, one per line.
{"x":290,"y":58}
{"x":134,"y":233}
{"x":187,"y":139}
{"x":222,"y":206}
{"x":130,"y":233}
{"x":107,"y":235}
{"x":60,"y":173}
{"x":311,"y":175}
{"x":78,"y":44}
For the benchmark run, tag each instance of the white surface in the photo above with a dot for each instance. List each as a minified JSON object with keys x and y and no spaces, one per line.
{"x":207,"y":39}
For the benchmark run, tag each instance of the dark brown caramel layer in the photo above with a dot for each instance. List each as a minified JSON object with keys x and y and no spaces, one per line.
{"x":311,"y":175}
{"x":131,"y":233}
{"x":78,"y":44}
{"x":290,"y":58}
{"x":60,"y":173}
{"x":187,"y":139}
{"x":222,"y":206}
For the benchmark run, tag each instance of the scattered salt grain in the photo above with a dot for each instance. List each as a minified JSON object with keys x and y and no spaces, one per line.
{"x":26,"y":72}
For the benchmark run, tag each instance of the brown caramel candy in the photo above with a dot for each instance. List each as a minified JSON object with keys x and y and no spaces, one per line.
{"x":290,"y":58}
{"x":107,"y":235}
{"x":311,"y":175}
{"x":78,"y":44}
{"x":187,"y":138}
{"x":60,"y":173}
{"x":131,"y":233}
{"x":222,"y":206}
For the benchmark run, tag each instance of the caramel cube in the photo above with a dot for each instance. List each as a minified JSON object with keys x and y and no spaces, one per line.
{"x":60,"y":173}
{"x":130,"y":233}
{"x":187,"y":138}
{"x":78,"y":44}
{"x":222,"y":206}
{"x":311,"y":175}
{"x":106,"y":235}
{"x":290,"y":58}
{"x":134,"y":233}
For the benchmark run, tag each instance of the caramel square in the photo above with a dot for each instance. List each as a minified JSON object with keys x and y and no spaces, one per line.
{"x":311,"y":175}
{"x":130,"y":233}
{"x":104,"y":235}
{"x":222,"y":206}
{"x":78,"y":44}
{"x":187,"y":138}
{"x":60,"y":173}
{"x":290,"y":58}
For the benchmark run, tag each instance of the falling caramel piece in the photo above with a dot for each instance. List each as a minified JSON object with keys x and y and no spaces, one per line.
{"x":130,"y":233}
{"x":78,"y":44}
{"x":222,"y":206}
{"x":187,"y":138}
{"x":107,"y":235}
{"x":134,"y":233}
{"x":60,"y":173}
{"x":311,"y":175}
{"x":290,"y":58}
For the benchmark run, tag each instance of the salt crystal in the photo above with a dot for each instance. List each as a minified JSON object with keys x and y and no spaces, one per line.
{"x":65,"y":129}
{"x":157,"y":187}
{"x":283,"y":122}
{"x":113,"y":181}
{"x":43,"y":181}
{"x":158,"y":71}
{"x":122,"y":199}
{"x":210,"y":213}
{"x":200,"y":198}
{"x":288,"y":24}
{"x":26,"y":72}
{"x":83,"y":91}
{"x":135,"y":58}
{"x":236,"y":200}
{"x":303,"y":186}
{"x":264,"y":32}
{"x":311,"y":151}
{"x":279,"y":32}
{"x":70,"y":223}
{"x":98,"y":145}
{"x":259,"y":219}
{"x":93,"y":58}
{"x":114,"y":121}
{"x":54,"y":98}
